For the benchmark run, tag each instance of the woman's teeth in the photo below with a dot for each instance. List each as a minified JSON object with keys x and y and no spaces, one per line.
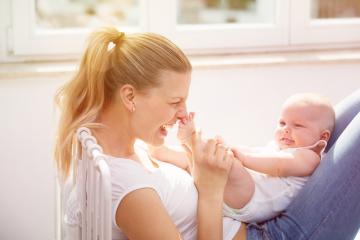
{"x":166,"y":126}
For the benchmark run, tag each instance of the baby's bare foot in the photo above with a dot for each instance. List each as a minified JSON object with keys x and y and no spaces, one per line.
{"x":186,"y":129}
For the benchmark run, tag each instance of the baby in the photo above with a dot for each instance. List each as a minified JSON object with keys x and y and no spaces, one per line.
{"x":262,"y":182}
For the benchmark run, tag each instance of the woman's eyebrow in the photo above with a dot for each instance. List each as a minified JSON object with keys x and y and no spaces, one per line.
{"x":177,"y":98}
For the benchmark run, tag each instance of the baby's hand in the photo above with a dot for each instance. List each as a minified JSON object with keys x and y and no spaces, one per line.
{"x":186,"y":129}
{"x":239,"y":153}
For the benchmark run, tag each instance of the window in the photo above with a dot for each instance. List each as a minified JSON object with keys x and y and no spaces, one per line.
{"x":59,"y":27}
{"x":223,"y":25}
{"x":55,"y":14}
{"x":232,"y":11}
{"x":325,"y":21}
{"x":321,"y":9}
{"x":43,"y":27}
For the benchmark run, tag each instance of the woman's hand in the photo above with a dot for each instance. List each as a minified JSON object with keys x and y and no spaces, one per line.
{"x":211,"y":166}
{"x":212,"y":163}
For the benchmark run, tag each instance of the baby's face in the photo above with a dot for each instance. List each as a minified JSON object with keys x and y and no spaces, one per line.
{"x":298,"y":126}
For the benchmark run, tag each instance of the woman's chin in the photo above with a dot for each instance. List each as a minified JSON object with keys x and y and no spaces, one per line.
{"x":157,"y":141}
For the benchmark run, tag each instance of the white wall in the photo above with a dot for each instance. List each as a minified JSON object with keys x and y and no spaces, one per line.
{"x":27,"y":176}
{"x":242,"y":104}
{"x":239,"y":103}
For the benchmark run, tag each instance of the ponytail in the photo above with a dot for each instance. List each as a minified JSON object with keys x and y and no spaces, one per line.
{"x":82,"y":98}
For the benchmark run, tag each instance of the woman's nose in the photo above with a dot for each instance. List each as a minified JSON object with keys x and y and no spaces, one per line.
{"x":182,"y":112}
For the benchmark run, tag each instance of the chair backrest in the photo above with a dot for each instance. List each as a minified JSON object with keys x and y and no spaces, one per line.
{"x":94,"y":186}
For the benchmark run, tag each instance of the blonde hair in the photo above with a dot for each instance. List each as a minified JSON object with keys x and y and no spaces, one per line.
{"x":320,"y":102}
{"x":111,"y":60}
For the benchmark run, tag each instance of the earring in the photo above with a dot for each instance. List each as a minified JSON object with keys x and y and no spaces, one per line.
{"x":133,"y":107}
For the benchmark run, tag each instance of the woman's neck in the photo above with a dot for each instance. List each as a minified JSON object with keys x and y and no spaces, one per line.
{"x":115,"y":136}
{"x":114,"y":144}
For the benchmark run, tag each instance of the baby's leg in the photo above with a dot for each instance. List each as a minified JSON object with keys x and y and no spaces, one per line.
{"x":240,"y":186}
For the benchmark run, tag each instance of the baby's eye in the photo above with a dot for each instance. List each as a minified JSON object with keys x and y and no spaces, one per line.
{"x":299,"y":125}
{"x":281,"y":123}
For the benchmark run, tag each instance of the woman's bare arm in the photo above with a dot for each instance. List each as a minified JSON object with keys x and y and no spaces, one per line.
{"x":142,"y":216}
{"x":211,"y":166}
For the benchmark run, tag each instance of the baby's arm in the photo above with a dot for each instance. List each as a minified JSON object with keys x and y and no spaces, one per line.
{"x":173,"y":155}
{"x":301,"y":162}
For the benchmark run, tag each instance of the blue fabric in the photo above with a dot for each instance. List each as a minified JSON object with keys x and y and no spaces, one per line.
{"x":328,"y":207}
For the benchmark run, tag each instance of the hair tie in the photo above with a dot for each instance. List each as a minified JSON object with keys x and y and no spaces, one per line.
{"x":118,"y":39}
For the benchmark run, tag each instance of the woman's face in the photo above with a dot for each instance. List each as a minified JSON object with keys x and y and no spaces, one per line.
{"x":161,"y":107}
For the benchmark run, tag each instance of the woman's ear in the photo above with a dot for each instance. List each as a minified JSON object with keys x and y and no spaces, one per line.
{"x":325,"y":135}
{"x":127,"y":96}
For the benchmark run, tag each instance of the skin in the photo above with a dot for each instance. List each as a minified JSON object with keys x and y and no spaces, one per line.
{"x":165,"y":104}
{"x":157,"y":107}
{"x":154,"y":108}
{"x":299,"y":126}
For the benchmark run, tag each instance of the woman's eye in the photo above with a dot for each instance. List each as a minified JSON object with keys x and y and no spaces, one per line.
{"x":175,"y":103}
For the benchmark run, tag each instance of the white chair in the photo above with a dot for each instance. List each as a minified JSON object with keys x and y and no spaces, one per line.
{"x":94,"y":189}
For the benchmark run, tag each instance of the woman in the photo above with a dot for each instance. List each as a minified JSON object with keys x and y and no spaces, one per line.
{"x":135,"y":87}
{"x":131,"y":87}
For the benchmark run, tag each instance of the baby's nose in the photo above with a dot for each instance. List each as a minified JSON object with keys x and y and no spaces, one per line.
{"x":286,"y":130}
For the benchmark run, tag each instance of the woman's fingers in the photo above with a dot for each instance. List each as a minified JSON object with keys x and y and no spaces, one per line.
{"x":191,"y":116}
{"x":212,"y":163}
{"x":219,"y":139}
{"x":196,"y":139}
{"x":235,"y":152}
{"x":210,"y":149}
{"x":224,"y":157}
{"x":220,"y":152}
{"x":211,"y":154}
{"x":229,"y":158}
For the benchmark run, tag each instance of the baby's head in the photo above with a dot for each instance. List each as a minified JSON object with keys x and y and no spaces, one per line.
{"x":305,"y":119}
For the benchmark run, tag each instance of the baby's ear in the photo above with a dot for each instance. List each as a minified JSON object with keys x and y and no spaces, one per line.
{"x":325,"y":135}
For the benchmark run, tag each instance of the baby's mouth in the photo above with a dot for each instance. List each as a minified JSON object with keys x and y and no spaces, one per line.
{"x":287,"y":141}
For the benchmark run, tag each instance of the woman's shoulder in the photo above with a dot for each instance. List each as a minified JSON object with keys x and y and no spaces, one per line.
{"x":125,"y":169}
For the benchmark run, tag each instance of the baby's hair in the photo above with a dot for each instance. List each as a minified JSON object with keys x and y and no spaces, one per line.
{"x":318,"y":101}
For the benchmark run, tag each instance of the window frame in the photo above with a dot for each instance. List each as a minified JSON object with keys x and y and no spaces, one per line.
{"x":289,"y":31}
